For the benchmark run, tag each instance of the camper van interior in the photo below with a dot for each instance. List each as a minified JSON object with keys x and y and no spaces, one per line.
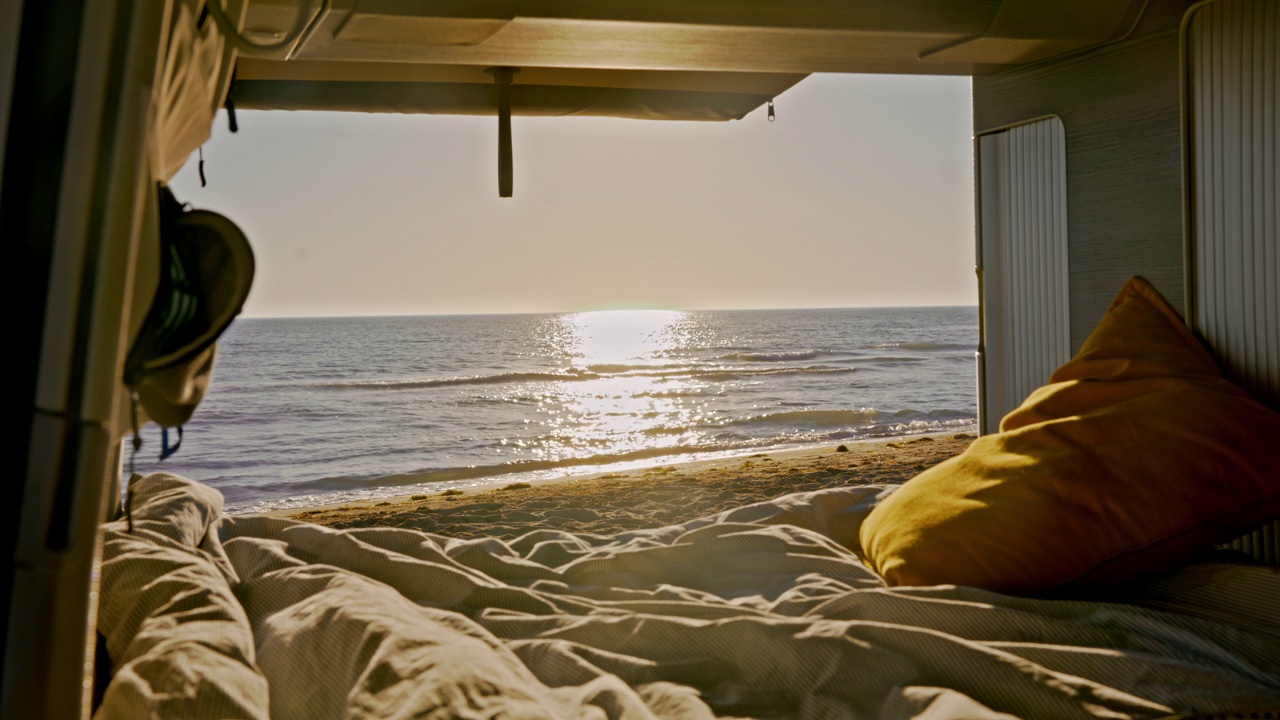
{"x":1106,"y":548}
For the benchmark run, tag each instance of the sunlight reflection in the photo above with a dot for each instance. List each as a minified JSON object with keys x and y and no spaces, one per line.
{"x":622,"y":336}
{"x":626,"y":356}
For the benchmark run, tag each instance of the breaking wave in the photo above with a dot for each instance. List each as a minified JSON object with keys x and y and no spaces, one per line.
{"x":595,"y":372}
{"x":925,"y":346}
{"x":776,"y":356}
{"x":813,"y":418}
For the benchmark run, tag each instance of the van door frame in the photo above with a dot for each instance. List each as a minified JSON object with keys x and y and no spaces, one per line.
{"x":72,"y":202}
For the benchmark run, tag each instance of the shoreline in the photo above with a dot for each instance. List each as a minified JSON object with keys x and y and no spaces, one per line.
{"x":615,"y":501}
{"x":468,"y":484}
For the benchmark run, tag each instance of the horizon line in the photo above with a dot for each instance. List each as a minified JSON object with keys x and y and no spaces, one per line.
{"x":602,"y":309}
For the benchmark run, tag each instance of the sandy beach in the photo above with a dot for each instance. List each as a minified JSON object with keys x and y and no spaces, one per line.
{"x":653,"y":497}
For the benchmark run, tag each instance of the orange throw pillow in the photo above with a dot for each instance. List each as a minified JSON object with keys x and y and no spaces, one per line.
{"x":1135,"y":456}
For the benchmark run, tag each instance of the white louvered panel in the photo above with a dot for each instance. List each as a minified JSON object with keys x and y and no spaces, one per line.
{"x":1023,"y":231}
{"x":1233,"y":78}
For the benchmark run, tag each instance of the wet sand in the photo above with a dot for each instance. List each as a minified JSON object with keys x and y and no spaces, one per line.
{"x":609,"y":503}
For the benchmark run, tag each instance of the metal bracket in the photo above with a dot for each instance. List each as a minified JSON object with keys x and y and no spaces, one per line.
{"x":504,"y":77}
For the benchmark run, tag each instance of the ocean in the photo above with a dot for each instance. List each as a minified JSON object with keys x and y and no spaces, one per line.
{"x":312,"y":411}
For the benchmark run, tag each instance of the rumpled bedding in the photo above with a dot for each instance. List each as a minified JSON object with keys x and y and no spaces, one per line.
{"x":761,"y":612}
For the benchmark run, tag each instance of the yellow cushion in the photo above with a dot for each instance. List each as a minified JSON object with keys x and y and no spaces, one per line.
{"x":1135,"y":456}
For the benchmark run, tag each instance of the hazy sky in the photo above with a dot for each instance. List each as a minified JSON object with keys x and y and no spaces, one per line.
{"x":861,"y":194}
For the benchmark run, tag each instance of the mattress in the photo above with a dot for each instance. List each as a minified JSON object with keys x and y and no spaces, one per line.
{"x":762,"y":611}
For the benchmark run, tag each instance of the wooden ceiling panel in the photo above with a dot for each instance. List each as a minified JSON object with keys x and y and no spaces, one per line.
{"x":749,"y":49}
{"x":632,"y":45}
{"x":352,"y":71}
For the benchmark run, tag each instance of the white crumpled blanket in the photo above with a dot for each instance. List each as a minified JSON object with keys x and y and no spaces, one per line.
{"x":757,"y":612}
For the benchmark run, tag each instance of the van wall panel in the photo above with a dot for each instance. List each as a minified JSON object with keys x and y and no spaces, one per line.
{"x":1233,"y":131}
{"x":1120,"y":106}
{"x":1022,"y":223}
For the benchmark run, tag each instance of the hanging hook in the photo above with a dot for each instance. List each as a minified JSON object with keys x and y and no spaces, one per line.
{"x":772,"y":115}
{"x":200,"y":168}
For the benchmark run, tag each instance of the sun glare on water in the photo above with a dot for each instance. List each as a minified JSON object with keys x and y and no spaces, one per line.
{"x":606,"y":337}
{"x":636,"y":384}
